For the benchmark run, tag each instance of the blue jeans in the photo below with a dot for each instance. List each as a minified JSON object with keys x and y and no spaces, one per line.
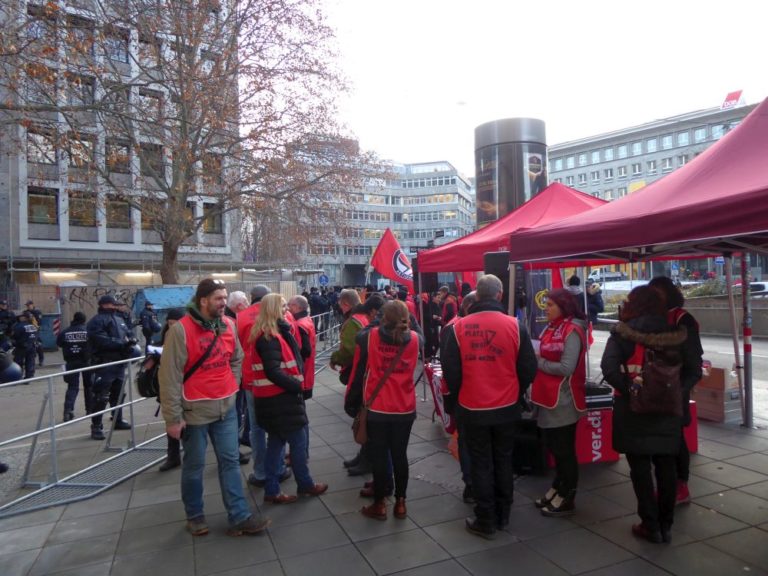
{"x":297,"y":440}
{"x":223,"y":435}
{"x":259,"y":442}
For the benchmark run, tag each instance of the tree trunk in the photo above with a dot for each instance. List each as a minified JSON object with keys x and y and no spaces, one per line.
{"x":169,"y":272}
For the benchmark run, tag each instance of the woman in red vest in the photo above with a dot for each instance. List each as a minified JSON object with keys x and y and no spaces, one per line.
{"x":393,"y":409}
{"x":279,"y":399}
{"x":559,"y":392}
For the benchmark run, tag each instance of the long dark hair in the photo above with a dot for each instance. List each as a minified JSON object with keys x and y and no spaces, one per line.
{"x":567,"y":303}
{"x":643,"y":301}
{"x":671,"y":293}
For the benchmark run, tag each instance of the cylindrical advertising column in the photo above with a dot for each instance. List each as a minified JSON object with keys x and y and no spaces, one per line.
{"x":510,"y":165}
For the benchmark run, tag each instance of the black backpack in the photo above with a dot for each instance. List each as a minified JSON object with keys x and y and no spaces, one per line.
{"x":147,"y":378}
{"x":659,"y":389}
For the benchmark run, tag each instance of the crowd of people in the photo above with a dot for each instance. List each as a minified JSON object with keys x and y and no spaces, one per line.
{"x":229,"y":363}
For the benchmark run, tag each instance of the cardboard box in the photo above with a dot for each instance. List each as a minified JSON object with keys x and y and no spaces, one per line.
{"x":717,"y":397}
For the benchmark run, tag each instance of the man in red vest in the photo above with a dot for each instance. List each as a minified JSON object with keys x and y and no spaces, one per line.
{"x":199,"y":377}
{"x":489,"y":363}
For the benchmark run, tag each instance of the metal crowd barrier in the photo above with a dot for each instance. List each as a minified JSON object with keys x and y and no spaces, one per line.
{"x":129,"y":460}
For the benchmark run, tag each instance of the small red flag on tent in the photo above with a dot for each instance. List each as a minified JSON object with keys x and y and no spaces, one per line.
{"x":390,"y":261}
{"x":557,"y":280}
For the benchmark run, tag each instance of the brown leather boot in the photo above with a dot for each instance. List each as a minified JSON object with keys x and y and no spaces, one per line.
{"x":400,"y":510}
{"x":377,"y":510}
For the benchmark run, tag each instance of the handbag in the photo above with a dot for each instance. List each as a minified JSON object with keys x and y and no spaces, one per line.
{"x":360,"y":423}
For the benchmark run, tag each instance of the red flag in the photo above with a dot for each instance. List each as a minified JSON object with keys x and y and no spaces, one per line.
{"x":557,"y":280}
{"x":390,"y":261}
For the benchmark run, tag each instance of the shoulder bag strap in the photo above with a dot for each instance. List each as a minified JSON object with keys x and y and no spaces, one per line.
{"x":386,"y":374}
{"x":202,"y":358}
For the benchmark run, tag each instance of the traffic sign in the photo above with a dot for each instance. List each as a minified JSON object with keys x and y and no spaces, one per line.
{"x":719,"y":260}
{"x":323,"y":279}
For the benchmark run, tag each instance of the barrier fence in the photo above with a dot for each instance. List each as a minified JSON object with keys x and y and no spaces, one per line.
{"x":130,"y":459}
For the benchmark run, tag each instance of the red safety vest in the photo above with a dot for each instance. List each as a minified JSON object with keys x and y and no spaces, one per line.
{"x":308,"y":326}
{"x":362,"y":319}
{"x":676,"y":314}
{"x":545,"y":390}
{"x":245,"y":321}
{"x":262,"y":387}
{"x":397,"y":395}
{"x":489,"y":344}
{"x":214,"y":379}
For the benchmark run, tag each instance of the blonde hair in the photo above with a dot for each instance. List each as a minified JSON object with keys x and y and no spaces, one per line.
{"x":270,"y":311}
{"x":396,"y":318}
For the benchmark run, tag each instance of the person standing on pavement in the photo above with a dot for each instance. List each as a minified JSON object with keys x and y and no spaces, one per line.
{"x":25,"y":336}
{"x":650,"y":442}
{"x":7,"y":320}
{"x":173,"y":451}
{"x":149,"y":324}
{"x":237,"y":301}
{"x":559,"y":390}
{"x":37,"y":320}
{"x":489,"y":363}
{"x":393,"y":409}
{"x":257,"y":436}
{"x":299,"y":309}
{"x":110,"y":340}
{"x":73,"y":342}
{"x":679,"y":316}
{"x":199,"y":376}
{"x":465,"y":460}
{"x":279,"y":401}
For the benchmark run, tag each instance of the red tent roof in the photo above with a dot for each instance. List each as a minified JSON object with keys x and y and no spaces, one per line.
{"x":553,"y":203}
{"x":716,"y":203}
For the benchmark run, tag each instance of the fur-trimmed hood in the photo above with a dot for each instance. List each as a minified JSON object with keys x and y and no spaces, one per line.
{"x":655,"y":340}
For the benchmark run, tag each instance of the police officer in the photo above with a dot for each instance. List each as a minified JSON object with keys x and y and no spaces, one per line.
{"x":489,"y":363}
{"x":25,"y":334}
{"x":110,"y":340}
{"x":149,"y":324}
{"x":7,"y":320}
{"x":37,"y":320}
{"x":74,"y":345}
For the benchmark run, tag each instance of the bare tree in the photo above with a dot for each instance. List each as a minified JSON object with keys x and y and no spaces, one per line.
{"x":169,"y":105}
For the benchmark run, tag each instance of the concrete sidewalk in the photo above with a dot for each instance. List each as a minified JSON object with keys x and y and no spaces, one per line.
{"x":139,"y":528}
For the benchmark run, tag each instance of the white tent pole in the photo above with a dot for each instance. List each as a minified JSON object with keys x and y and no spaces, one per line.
{"x":734,"y":330}
{"x":586,"y":312}
{"x":746,"y":274}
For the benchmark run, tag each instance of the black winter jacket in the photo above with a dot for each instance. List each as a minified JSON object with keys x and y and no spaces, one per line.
{"x":450,"y":358}
{"x":109,"y":335}
{"x":285,"y":412}
{"x":647,"y":434}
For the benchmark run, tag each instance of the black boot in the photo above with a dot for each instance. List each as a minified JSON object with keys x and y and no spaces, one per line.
{"x":363,"y":465}
{"x":97,"y":432}
{"x":173,"y":458}
{"x":352,"y":462}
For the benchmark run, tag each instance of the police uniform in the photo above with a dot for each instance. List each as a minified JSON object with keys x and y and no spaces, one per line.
{"x":110,"y":339}
{"x":25,"y":334}
{"x":74,"y":346}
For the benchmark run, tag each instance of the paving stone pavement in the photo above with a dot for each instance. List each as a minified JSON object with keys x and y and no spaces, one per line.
{"x":138,"y":527}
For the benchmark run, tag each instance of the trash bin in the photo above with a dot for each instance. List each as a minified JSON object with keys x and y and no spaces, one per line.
{"x":49,"y":326}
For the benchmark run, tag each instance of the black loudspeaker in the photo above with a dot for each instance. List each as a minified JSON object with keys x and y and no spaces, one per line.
{"x":497,"y":263}
{"x":428,"y":280}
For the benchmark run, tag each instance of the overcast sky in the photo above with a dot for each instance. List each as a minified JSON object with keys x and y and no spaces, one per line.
{"x":425,"y":73}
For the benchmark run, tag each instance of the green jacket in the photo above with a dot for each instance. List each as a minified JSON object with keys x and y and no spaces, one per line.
{"x":346,"y":352}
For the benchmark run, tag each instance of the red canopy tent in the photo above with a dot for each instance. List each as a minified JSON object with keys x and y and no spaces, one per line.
{"x":718,"y":203}
{"x":553,"y":203}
